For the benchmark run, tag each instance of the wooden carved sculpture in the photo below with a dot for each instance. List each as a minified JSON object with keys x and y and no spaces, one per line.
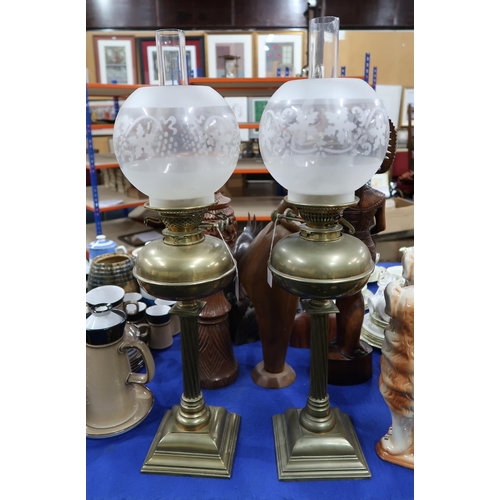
{"x":349,"y":357}
{"x":218,"y":365}
{"x":242,"y":319}
{"x":396,"y":376}
{"x":275,"y":308}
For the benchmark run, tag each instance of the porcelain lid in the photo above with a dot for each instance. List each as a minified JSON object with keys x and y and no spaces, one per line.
{"x":101,"y":243}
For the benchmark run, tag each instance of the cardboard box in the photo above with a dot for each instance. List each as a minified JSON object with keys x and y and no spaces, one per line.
{"x":235,"y":186}
{"x":133,"y":192}
{"x":390,"y":250}
{"x":399,"y":230}
{"x":399,"y":215}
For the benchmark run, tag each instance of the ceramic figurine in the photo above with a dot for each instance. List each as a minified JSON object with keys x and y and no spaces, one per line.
{"x":407,"y":260}
{"x":396,"y":376}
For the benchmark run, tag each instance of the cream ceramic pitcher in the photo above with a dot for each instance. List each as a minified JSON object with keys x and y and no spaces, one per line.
{"x":111,"y":398}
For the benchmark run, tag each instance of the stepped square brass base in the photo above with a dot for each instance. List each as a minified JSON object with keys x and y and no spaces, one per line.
{"x":305,"y":455}
{"x":207,"y":452}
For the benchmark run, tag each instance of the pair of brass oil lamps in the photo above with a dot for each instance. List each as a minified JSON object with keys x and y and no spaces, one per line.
{"x":321,"y":138}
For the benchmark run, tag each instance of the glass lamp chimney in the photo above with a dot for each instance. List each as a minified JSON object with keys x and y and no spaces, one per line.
{"x":323,"y":47}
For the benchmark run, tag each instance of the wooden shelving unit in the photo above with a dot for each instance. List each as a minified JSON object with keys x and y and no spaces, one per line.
{"x":103,"y":160}
{"x":105,"y":195}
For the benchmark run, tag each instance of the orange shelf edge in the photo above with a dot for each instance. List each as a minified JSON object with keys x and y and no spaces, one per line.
{"x":251,"y":171}
{"x":101,"y":167}
{"x":263,"y":218}
{"x":117,"y":207}
{"x":249,"y":125}
{"x":117,"y":86}
{"x":101,"y":126}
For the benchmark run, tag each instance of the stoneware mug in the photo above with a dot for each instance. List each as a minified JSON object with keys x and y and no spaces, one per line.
{"x":111,"y":385}
{"x":160,"y":330}
{"x":135,"y":311}
{"x":175,"y":322}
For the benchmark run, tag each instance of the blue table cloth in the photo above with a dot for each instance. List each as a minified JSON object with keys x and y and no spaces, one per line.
{"x":114,"y":464}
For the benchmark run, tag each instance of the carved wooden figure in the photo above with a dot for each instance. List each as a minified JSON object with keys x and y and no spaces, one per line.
{"x":275,"y":308}
{"x":242,"y":321}
{"x":349,"y":357}
{"x":396,"y":376}
{"x":368,"y":216}
{"x":218,"y":365}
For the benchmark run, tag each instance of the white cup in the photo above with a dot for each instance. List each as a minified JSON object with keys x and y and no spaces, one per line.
{"x":132,"y":296}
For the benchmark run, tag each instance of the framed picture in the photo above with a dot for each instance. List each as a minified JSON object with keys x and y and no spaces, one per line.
{"x":239,"y":105}
{"x":233,"y":49}
{"x":280,"y":54}
{"x":407,"y":99}
{"x":195,"y":47}
{"x":149,"y":66}
{"x":103,"y":111}
{"x":390,"y":95}
{"x":256,"y":107}
{"x":115,"y":59}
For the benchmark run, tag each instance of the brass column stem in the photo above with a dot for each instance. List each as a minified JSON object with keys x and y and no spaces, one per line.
{"x":193,"y":413}
{"x":189,"y":351}
{"x":319,"y":352}
{"x":317,"y":415}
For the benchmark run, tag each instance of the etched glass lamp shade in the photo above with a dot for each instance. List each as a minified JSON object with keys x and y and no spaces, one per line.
{"x":176,"y":142}
{"x":323,"y":137}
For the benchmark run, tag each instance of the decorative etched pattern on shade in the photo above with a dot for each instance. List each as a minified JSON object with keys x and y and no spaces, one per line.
{"x":320,"y":129}
{"x":147,"y":133}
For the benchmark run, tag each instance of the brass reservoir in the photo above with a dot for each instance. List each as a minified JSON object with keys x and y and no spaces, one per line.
{"x":321,"y":264}
{"x":183,"y":271}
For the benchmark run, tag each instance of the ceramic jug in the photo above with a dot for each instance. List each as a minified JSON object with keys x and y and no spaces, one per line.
{"x":102,"y":245}
{"x":115,"y":395}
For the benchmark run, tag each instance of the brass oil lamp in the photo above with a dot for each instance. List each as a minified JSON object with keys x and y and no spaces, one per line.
{"x":321,"y":138}
{"x":179,"y":144}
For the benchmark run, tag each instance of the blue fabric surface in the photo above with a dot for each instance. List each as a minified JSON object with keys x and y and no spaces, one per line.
{"x":114,"y":464}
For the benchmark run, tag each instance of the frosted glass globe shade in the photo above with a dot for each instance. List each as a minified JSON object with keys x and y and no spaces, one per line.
{"x":177,"y":144}
{"x":323,"y":138}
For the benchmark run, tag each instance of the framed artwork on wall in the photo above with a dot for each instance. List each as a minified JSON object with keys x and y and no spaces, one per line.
{"x":280,"y":54}
{"x":195,"y":48}
{"x":235,"y":49}
{"x":408,"y":95}
{"x":148,"y":68}
{"x":195,"y":59}
{"x":239,"y":105}
{"x":115,"y":59}
{"x":390,"y":95}
{"x":256,"y":107}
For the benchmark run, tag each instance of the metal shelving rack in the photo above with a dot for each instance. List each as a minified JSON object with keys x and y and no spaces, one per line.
{"x":95,"y":162}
